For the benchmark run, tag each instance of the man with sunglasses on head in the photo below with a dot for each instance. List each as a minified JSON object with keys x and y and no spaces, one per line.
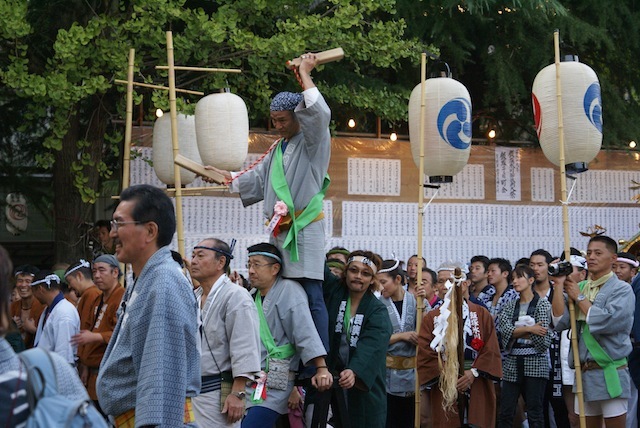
{"x":151,"y":367}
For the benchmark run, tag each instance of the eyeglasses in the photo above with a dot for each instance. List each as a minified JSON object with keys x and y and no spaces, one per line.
{"x":115,"y":225}
{"x":364,"y":273}
{"x":257,"y":265}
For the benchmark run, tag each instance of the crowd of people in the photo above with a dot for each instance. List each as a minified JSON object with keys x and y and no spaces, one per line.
{"x":342,"y":339}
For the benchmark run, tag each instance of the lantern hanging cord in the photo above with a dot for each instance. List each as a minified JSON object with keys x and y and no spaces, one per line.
{"x":434,"y":195}
{"x":573,"y":186}
{"x":254,"y":163}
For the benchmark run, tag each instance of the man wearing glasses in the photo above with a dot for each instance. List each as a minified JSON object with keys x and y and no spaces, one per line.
{"x":287,"y":336}
{"x":151,"y":367}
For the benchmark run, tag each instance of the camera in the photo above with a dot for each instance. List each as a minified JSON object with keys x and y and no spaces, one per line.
{"x":563,"y":268}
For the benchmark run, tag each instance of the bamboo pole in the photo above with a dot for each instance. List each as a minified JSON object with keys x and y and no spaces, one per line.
{"x":206,"y":69}
{"x":149,"y":85}
{"x":126,"y":162}
{"x":420,"y":301}
{"x":175,"y":143}
{"x":565,"y":224}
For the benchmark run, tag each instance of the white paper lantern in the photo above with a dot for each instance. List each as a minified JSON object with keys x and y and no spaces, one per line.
{"x":222,"y":128}
{"x":163,"y":148}
{"x":581,"y":111}
{"x":447,"y":127}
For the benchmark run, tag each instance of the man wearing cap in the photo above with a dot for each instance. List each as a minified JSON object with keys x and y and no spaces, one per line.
{"x":604,"y":312}
{"x":287,"y":337}
{"x":59,"y":321}
{"x":230,"y":337}
{"x":26,"y":311}
{"x":151,"y":367}
{"x":97,"y":328}
{"x":292,"y":180}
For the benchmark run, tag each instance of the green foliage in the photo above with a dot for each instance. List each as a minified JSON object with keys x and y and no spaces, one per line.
{"x":496,"y":48}
{"x":63,"y":56}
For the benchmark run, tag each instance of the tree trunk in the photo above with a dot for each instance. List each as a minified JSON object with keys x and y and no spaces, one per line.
{"x":73,"y":217}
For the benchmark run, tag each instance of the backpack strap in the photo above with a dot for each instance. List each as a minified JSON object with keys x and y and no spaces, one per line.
{"x":41,"y":375}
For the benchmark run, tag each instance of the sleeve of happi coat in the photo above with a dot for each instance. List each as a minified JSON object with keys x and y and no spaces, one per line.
{"x":489,"y":359}
{"x":505,"y":320}
{"x":372,"y":345}
{"x":163,"y":375}
{"x":251,"y":183}
{"x":243,"y":333}
{"x":427,"y":358}
{"x":542,"y":316}
{"x":616,"y":314}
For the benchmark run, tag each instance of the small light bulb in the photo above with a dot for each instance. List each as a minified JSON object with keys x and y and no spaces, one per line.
{"x":393,"y":136}
{"x":492,"y":134}
{"x":352,"y":123}
{"x":632,"y":144}
{"x":159,"y":112}
{"x":636,"y":156}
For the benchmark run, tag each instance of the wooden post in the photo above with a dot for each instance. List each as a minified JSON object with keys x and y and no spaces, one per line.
{"x":420,"y":301}
{"x":128,"y":123}
{"x":565,"y":224}
{"x":175,"y":143}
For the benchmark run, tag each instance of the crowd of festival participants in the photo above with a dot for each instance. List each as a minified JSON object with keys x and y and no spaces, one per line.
{"x":314,"y":339}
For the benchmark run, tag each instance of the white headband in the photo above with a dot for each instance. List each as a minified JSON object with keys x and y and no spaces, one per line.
{"x":82,"y":264}
{"x":364,"y":261}
{"x":578,"y":261}
{"x":392,"y":268}
{"x":47,"y":279}
{"x":633,"y":263}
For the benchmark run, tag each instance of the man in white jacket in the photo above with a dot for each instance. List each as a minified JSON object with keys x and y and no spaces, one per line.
{"x":60,"y":319}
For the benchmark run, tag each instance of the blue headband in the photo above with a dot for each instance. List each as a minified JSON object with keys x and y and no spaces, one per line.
{"x":264,"y":253}
{"x":218,"y":250}
{"x":286,"y":101}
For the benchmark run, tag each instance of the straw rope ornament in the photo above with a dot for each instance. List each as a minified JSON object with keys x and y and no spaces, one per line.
{"x":447,"y":339}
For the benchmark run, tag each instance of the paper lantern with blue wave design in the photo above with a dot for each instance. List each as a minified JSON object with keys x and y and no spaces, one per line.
{"x":447,"y":132}
{"x":163,"y":148}
{"x":581,"y":111}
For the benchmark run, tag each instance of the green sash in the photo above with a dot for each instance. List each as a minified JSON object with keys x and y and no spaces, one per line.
{"x":609,"y":365}
{"x":273,"y":351}
{"x":311,"y":211}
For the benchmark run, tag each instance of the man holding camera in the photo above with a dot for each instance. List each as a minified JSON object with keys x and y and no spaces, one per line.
{"x":604,"y":311}
{"x":540,"y":261}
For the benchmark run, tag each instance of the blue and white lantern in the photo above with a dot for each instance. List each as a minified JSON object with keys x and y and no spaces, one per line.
{"x":163,"y":148}
{"x":447,"y":128}
{"x":581,"y":111}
